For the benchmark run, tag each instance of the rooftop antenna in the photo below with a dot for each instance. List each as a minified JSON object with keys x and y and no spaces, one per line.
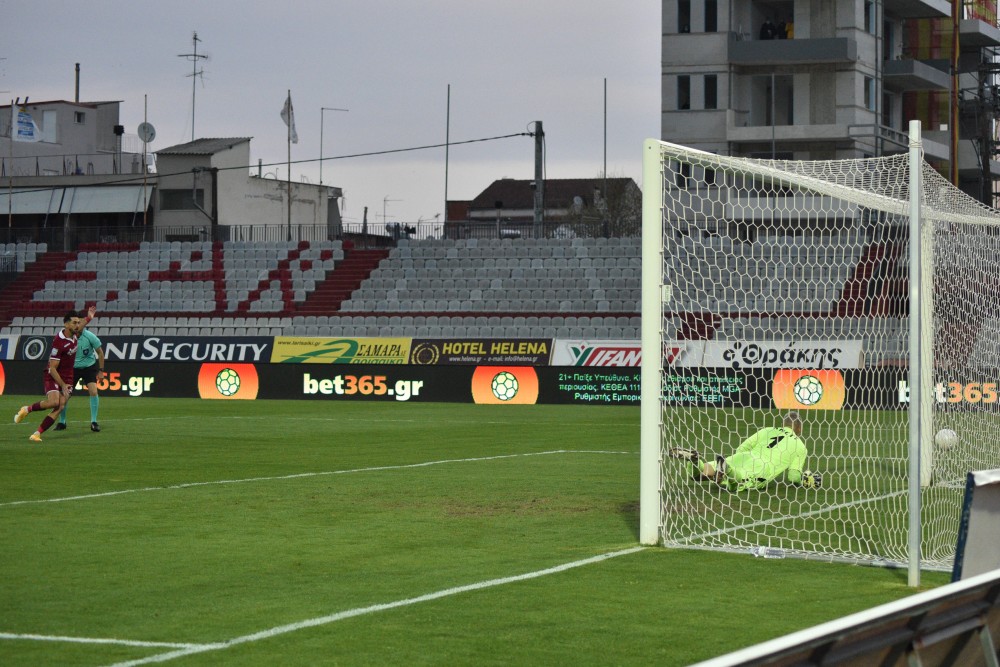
{"x":194,"y":57}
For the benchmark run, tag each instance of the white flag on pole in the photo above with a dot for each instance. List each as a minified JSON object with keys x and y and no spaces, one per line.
{"x":288,"y":115}
{"x":25,"y":128}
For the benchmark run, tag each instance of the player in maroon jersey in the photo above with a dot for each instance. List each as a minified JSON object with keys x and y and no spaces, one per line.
{"x":58,"y":376}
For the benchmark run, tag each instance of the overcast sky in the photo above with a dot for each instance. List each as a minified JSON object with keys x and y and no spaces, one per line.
{"x":389,"y":62}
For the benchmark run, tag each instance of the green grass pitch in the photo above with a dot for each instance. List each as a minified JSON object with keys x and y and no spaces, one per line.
{"x":310,"y":532}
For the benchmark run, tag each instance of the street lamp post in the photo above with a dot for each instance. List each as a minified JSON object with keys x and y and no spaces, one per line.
{"x":321,"y":110}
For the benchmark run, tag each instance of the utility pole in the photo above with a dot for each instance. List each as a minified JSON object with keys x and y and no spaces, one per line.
{"x":447,"y":146}
{"x":539,"y":177}
{"x":194,"y":57}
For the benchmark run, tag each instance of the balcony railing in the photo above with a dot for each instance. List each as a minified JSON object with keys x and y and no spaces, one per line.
{"x":69,"y":164}
{"x":791,"y":52}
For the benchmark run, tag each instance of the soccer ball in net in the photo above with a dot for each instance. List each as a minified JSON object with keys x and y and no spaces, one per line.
{"x":946,"y":438}
{"x":808,"y":390}
{"x":227,"y":381}
{"x":504,"y":386}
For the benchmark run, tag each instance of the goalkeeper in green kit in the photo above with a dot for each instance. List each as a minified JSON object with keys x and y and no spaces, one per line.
{"x":761,"y":459}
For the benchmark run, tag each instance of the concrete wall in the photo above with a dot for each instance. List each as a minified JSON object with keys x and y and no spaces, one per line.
{"x":66,"y":144}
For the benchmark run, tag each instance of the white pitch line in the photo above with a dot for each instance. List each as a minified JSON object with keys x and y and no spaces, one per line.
{"x":189,"y":485}
{"x":779,"y":519}
{"x":99,"y":640}
{"x":375,"y":608}
{"x":360,"y":420}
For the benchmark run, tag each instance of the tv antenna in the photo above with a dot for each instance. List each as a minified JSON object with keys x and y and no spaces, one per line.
{"x":194,"y":57}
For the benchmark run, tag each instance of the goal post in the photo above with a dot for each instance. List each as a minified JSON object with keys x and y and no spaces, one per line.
{"x":649,"y":378}
{"x":918,"y":450}
{"x":772,"y":286}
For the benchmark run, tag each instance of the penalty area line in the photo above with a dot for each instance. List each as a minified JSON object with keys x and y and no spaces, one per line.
{"x":371,"y":609}
{"x":100,"y":640}
{"x":300,"y":475}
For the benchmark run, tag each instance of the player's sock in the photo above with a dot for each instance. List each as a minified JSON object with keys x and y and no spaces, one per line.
{"x":95,"y":402}
{"x":62,"y":415}
{"x":35,"y":406}
{"x":46,"y":423}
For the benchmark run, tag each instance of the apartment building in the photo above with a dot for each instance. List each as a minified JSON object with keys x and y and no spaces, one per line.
{"x":834,"y":79}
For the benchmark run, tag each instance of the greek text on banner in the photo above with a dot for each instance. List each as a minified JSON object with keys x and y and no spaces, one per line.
{"x":800,"y":354}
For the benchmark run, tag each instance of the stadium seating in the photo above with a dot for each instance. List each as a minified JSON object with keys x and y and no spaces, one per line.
{"x":570,"y":288}
{"x":578,"y":288}
{"x":532,"y":276}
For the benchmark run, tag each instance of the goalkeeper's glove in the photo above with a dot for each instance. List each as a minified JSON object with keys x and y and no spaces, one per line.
{"x":811,"y":480}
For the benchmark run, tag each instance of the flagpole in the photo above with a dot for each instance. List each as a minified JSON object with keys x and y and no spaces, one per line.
{"x":290,"y":121}
{"x":10,"y":181}
{"x":145,"y":204}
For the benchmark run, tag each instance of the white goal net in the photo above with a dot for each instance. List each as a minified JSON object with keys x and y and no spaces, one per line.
{"x":778,"y":286}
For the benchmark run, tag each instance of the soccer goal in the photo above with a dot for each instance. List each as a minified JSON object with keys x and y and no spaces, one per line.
{"x":837,"y":289}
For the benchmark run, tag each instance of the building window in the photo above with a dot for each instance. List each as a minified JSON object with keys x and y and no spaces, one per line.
{"x":684,"y":92}
{"x":870,"y":93}
{"x":79,"y":117}
{"x":683,"y":15}
{"x":182,"y":200}
{"x":711,"y":91}
{"x":887,"y":117}
{"x":888,"y":41}
{"x":870,"y":16}
{"x":711,"y":15}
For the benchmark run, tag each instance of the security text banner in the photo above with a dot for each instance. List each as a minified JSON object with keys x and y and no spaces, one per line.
{"x":162,"y":348}
{"x":8,"y":346}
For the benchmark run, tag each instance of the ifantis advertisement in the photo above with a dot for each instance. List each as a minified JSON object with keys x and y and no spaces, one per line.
{"x":228,"y":382}
{"x":505,"y":385}
{"x":809,"y":390}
